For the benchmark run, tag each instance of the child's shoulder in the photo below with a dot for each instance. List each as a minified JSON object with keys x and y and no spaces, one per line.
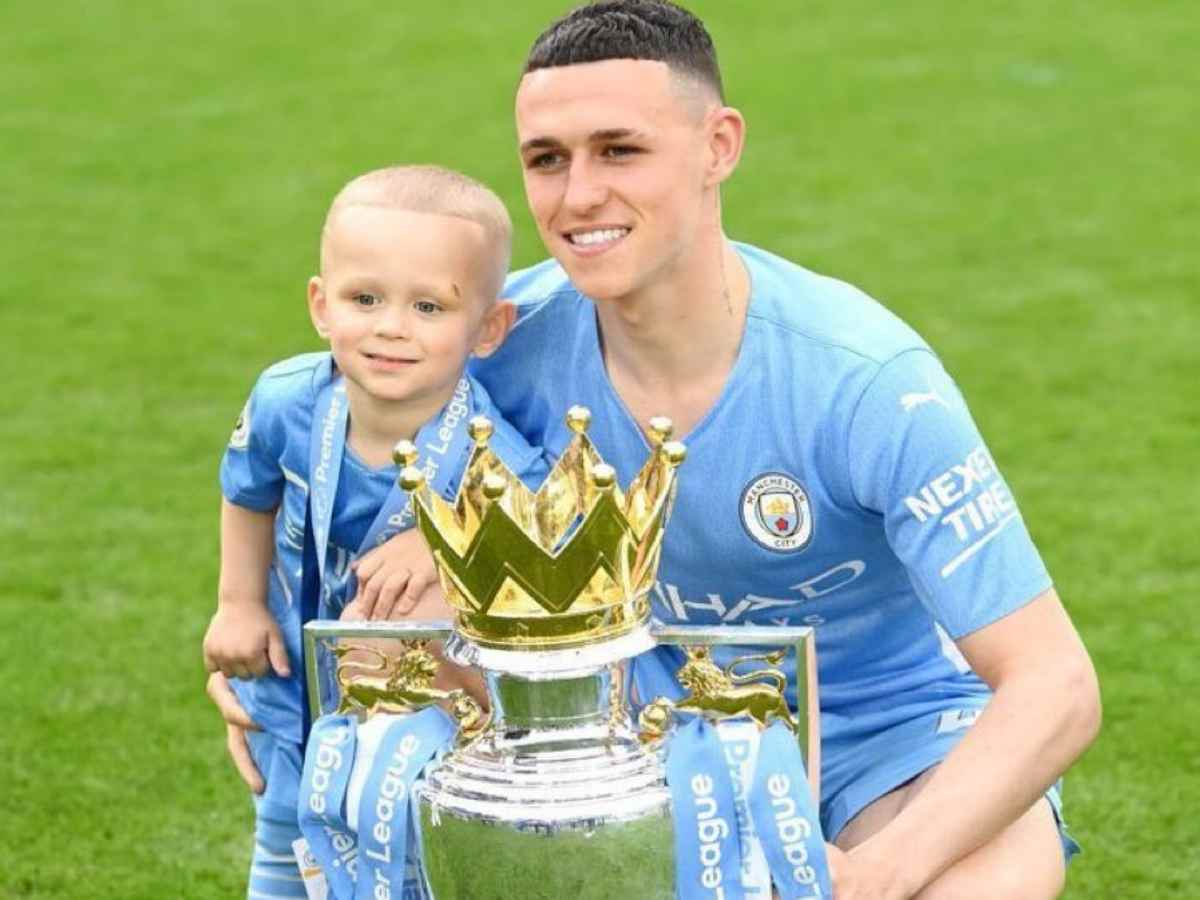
{"x":292,"y":381}
{"x":280,"y":406}
{"x":301,"y":369}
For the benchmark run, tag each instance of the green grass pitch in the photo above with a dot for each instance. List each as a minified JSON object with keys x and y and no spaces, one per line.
{"x":1017,"y":180}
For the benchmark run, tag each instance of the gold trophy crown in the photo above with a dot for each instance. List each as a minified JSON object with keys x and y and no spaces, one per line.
{"x":569,"y":565}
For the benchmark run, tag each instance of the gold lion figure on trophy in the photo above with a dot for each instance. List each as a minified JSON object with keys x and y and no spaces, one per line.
{"x":400,"y":683}
{"x":722,"y":694}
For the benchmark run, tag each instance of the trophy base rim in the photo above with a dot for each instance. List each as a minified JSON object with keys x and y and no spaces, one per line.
{"x":549,"y":664}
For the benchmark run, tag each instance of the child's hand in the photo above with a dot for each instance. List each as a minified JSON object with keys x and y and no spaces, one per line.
{"x":392,"y":579}
{"x":243,"y":641}
{"x":353,"y":612}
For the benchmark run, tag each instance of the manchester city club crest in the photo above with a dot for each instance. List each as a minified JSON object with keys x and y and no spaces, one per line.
{"x":776,"y":512}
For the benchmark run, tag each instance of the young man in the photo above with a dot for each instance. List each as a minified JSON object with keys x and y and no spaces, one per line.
{"x":834,"y":474}
{"x":412,"y":260}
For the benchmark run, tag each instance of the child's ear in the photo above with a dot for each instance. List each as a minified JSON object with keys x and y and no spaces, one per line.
{"x":317,"y":306}
{"x":495,"y":327}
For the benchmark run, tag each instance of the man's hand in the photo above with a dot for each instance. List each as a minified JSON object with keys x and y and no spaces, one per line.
{"x":243,"y":641}
{"x":237,"y":723}
{"x":852,"y":880}
{"x":393,"y":578}
{"x":841,"y":873}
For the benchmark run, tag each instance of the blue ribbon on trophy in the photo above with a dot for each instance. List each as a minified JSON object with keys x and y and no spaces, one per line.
{"x":377,"y":859}
{"x":322,"y":813}
{"x":387,"y":846}
{"x":786,"y":820}
{"x":707,"y":852}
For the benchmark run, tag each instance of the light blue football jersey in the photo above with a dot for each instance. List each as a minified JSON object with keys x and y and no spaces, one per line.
{"x":839,"y":482}
{"x":266,"y":467}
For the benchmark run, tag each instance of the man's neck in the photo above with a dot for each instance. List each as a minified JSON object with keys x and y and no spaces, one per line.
{"x":376,"y":425}
{"x":669,"y":350}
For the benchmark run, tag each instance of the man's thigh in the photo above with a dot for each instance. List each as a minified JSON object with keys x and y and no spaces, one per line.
{"x":1023,"y":862}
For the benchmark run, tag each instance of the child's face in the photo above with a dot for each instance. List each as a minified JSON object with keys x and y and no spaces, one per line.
{"x":403,"y":301}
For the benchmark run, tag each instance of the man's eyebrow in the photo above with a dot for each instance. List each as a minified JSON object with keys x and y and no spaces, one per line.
{"x":615,"y":134}
{"x":604,"y":134}
{"x":540,"y":143}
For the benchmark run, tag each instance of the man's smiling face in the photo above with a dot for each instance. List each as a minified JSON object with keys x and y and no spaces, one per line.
{"x":614,"y":157}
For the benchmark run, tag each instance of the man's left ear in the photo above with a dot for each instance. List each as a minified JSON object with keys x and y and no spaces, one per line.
{"x":726,"y":138}
{"x":495,"y":327}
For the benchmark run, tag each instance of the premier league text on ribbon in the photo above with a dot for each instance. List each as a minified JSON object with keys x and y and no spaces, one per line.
{"x":392,"y":792}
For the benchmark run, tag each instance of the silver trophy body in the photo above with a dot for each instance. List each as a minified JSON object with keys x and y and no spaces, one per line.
{"x":559,"y":789}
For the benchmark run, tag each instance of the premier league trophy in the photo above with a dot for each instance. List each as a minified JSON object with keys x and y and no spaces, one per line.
{"x":556,"y":790}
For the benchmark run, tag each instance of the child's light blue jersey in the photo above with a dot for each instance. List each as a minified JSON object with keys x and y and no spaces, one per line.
{"x":266,"y":467}
{"x":838,"y":482}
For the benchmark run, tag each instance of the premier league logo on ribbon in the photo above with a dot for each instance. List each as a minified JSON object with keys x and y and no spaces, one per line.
{"x":776,"y":512}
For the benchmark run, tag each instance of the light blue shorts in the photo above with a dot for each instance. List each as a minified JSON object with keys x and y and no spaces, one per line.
{"x":856,"y":775}
{"x":274,"y":872}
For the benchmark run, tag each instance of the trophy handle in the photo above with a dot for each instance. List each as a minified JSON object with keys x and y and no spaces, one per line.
{"x":718,"y":694}
{"x":378,"y":687}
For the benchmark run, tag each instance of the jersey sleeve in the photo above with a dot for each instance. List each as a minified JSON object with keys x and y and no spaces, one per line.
{"x":251,"y":475}
{"x":917,"y":460}
{"x":527,"y":462}
{"x":530,"y":289}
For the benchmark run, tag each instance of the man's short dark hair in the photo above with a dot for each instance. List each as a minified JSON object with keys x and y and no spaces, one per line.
{"x":629,"y":29}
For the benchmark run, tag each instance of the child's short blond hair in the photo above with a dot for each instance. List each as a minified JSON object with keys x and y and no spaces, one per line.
{"x":436,"y":190}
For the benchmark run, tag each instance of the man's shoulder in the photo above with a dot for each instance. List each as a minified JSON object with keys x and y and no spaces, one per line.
{"x":552,"y":315}
{"x":796,"y":305}
{"x":532,"y":290}
{"x":522,"y":458}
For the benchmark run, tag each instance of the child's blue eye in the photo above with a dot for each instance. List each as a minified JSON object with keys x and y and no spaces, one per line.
{"x":366,"y":301}
{"x":428,"y":307}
